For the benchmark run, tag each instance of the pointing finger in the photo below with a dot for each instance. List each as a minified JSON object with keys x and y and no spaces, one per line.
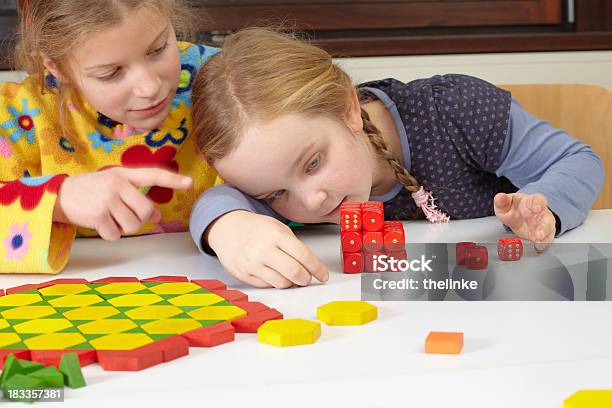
{"x":157,"y":177}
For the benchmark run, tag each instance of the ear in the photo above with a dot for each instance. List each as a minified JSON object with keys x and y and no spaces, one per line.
{"x":52,"y":67}
{"x":353,"y":116}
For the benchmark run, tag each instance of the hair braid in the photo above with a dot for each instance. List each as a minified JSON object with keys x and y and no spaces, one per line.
{"x":382,"y":149}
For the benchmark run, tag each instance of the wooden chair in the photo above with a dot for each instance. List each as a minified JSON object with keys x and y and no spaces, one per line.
{"x":584,"y":111}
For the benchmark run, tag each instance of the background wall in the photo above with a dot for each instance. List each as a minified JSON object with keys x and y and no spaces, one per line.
{"x":594,"y":67}
{"x":11,"y":76}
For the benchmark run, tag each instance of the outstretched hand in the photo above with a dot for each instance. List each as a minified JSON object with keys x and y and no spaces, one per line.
{"x":528,"y":216}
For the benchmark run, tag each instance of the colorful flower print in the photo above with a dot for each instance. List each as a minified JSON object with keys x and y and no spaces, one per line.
{"x":184,"y":203}
{"x":99,"y":141}
{"x":141,"y":156}
{"x":16,"y":243}
{"x":6,"y":150}
{"x":106,"y":121}
{"x":192,"y":59}
{"x":157,"y":137}
{"x":61,"y":149}
{"x":123,"y":131}
{"x":22,"y":122}
{"x":29,"y":190}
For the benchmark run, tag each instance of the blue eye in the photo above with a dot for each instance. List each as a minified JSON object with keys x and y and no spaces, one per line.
{"x":314,"y":163}
{"x":276,"y":195}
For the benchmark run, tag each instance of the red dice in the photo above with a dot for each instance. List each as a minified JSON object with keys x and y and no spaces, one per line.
{"x":368,"y":260}
{"x":364,"y":234}
{"x":373,"y":241}
{"x":351,"y":241}
{"x":373,"y":215}
{"x":461,"y":251}
{"x":398,"y":256}
{"x":350,"y":217}
{"x":396,"y":225}
{"x":393,"y":236}
{"x":352,"y":262}
{"x":509,"y":249}
{"x":477,"y":257}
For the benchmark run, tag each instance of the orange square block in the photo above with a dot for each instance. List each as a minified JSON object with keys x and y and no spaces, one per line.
{"x":444,"y":343}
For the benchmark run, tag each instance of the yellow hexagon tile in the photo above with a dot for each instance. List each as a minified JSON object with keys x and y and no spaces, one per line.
{"x":174,"y":288}
{"x":589,"y":399}
{"x":217,"y":313}
{"x":153,"y":312}
{"x":28,"y":312}
{"x":42,"y":326}
{"x":290,"y":332}
{"x":171,"y":326}
{"x":196,"y":299}
{"x":121,"y":341}
{"x":54,"y":341}
{"x":120,"y":288}
{"x":108,"y":326}
{"x":347,"y":313}
{"x":90,"y":313}
{"x":64,"y":289}
{"x":135,"y":300}
{"x":75,"y":300}
{"x":19,"y":299}
{"x":7,"y":339}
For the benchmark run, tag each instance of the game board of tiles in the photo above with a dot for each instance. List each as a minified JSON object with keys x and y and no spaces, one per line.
{"x":123,"y":323}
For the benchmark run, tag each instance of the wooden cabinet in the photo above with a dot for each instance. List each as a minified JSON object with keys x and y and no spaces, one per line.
{"x":385,"y":15}
{"x":406,"y":27}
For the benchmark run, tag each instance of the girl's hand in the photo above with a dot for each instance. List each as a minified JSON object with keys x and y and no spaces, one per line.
{"x":262,"y":251}
{"x":109,"y":201}
{"x":528,"y":216}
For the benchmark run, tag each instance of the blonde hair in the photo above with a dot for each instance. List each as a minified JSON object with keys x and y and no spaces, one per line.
{"x":261,"y":74}
{"x":55,"y":28}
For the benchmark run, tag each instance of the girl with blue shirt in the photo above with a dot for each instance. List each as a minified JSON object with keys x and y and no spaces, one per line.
{"x":294,"y":139}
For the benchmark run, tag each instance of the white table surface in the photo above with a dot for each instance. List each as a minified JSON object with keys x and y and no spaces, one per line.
{"x":516,"y":354}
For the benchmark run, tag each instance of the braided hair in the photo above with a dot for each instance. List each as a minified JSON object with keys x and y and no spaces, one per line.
{"x":425,"y":201}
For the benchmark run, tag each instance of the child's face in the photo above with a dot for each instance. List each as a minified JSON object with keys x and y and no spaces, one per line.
{"x":303,"y":166}
{"x":130,"y":72}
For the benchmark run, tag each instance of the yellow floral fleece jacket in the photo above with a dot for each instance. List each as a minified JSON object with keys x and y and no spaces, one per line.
{"x":36,"y":158}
